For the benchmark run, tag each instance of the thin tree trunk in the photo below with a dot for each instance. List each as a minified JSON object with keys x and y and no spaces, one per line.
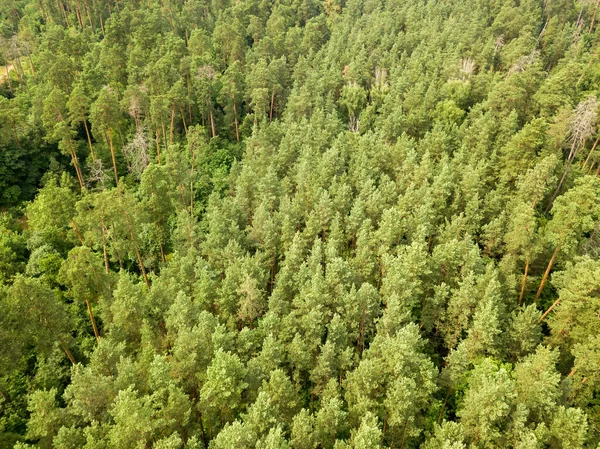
{"x":65,"y":13}
{"x":32,"y":66}
{"x":361,"y":335}
{"x":192,"y":181}
{"x":78,"y":14}
{"x":89,"y":138}
{"x":524,"y":281}
{"x":87,"y":9}
{"x":543,"y":317}
{"x":594,"y":16}
{"x":562,"y":179}
{"x":404,"y":434}
{"x":545,"y":277}
{"x":105,"y":253}
{"x":202,"y":431}
{"x":164,"y":133}
{"x":142,"y":268}
{"x":76,"y":228}
{"x":271,"y":109}
{"x":273,"y":271}
{"x":235,"y":120}
{"x":555,"y":194}
{"x":183,"y":119}
{"x":162,"y":253}
{"x":189,"y":93}
{"x":16,"y":65}
{"x":62,"y":11}
{"x":590,"y":153}
{"x":444,"y":405}
{"x":89,"y":307}
{"x":171,"y":126}
{"x":68,"y":352}
{"x":212,"y":124}
{"x":77,"y":169}
{"x":112,"y":153}
{"x":157,"y":145}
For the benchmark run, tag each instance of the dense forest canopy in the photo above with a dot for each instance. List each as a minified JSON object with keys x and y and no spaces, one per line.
{"x":299,"y":224}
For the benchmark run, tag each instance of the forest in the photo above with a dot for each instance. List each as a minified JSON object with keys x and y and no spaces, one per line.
{"x":299,"y":224}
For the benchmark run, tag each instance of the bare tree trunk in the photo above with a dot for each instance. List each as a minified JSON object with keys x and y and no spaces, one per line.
{"x":361,"y":336}
{"x":142,"y":268}
{"x":594,"y":16}
{"x":524,"y":281}
{"x":101,"y":23}
{"x":66,"y":14}
{"x":104,"y":252}
{"x":543,"y":317}
{"x":89,"y":138}
{"x":545,"y":277}
{"x":157,"y":145}
{"x":202,"y":431}
{"x":189,"y":101}
{"x":192,"y":181}
{"x":404,"y":434}
{"x":78,"y":14}
{"x":590,"y":153}
{"x":271,"y":109}
{"x":89,"y":307}
{"x":171,"y":126}
{"x":77,"y":168}
{"x":87,"y":9}
{"x":68,"y":352}
{"x":235,"y":120}
{"x":183,"y":119}
{"x":444,"y":406}
{"x":555,"y":194}
{"x":164,"y":133}
{"x":112,"y":153}
{"x":212,"y":124}
{"x":76,"y":228}
{"x":32,"y":66}
{"x":18,"y":71}
{"x":61,"y":8}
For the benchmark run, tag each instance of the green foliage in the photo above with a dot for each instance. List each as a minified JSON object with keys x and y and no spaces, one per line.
{"x":299,"y":224}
